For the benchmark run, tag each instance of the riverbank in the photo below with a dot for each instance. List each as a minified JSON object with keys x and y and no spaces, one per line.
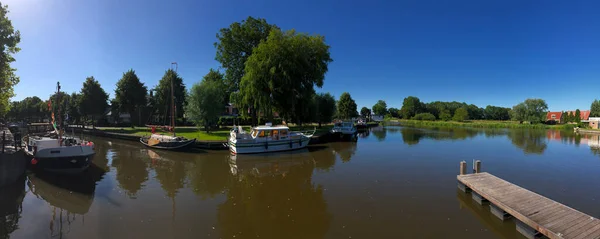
{"x":478,"y":124}
{"x":215,"y":139}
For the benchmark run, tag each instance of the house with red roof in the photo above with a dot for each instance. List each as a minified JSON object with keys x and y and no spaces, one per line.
{"x":554,"y":116}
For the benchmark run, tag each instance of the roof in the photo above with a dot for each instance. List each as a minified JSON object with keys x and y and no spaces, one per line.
{"x":583,"y":114}
{"x":557,"y":115}
{"x":272,"y":127}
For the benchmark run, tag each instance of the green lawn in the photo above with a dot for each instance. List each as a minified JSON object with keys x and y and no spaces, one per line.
{"x":214,"y":135}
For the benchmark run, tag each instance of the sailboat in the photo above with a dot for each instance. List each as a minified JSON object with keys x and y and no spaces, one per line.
{"x":167,"y":142}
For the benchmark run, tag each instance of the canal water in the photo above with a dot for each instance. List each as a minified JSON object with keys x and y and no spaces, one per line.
{"x":394,"y":182}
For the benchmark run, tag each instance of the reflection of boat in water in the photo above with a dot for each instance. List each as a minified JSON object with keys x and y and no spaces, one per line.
{"x":268,"y":164}
{"x":74,"y":194}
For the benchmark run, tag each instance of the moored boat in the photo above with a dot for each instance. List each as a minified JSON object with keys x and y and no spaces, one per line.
{"x":65,"y":155}
{"x":159,"y":141}
{"x":344,"y":128}
{"x":268,"y":138}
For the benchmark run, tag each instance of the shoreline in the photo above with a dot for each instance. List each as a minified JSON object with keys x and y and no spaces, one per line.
{"x":478,"y":124}
{"x":200,"y":144}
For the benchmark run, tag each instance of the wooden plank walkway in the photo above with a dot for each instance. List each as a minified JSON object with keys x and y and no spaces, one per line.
{"x":548,"y":217}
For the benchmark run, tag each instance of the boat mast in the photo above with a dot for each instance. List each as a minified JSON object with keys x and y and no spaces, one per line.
{"x":59,"y":117}
{"x":173,"y":99}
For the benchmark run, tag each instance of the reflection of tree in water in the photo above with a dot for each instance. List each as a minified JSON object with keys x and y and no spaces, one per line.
{"x":209,"y":177}
{"x":103,"y":152}
{"x":170,"y":174}
{"x":379,"y":133}
{"x":11,"y":200}
{"x":325,"y":159}
{"x":412,"y":136}
{"x":287,"y":205}
{"x":132,"y":171}
{"x":344,"y":149}
{"x":530,"y":141}
{"x":364,"y":133}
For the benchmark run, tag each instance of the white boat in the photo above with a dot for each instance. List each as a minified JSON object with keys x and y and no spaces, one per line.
{"x":344,"y":128}
{"x":264,"y":139}
{"x":67,"y":155}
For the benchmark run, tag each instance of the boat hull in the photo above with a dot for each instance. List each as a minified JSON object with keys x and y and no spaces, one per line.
{"x":64,"y":165}
{"x":267,"y":147}
{"x":174,"y":145}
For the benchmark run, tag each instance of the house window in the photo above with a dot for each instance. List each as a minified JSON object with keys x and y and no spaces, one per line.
{"x":553,"y":116}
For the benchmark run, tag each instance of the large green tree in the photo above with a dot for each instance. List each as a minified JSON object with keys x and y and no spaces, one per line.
{"x":595,"y":108}
{"x":577,"y":116}
{"x":461,"y":114}
{"x":130,"y":95}
{"x":9,"y":38}
{"x":162,"y":96}
{"x":205,"y":100}
{"x":325,"y":108}
{"x":94,"y":100}
{"x":532,"y":110}
{"x":411,"y":106}
{"x":282,"y":72}
{"x":394,"y":112}
{"x":365,"y":112}
{"x":346,"y":107}
{"x":380,"y":108}
{"x":235,"y":45}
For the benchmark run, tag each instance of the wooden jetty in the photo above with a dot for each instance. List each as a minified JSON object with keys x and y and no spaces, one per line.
{"x":536,"y":216}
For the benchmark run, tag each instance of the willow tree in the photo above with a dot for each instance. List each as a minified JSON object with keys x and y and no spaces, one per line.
{"x":9,"y":38}
{"x":283,"y":70}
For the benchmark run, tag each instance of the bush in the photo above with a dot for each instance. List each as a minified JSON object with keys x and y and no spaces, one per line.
{"x":423,"y":116}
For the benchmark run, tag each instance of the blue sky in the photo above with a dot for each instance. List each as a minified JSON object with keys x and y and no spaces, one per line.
{"x":480,"y":52}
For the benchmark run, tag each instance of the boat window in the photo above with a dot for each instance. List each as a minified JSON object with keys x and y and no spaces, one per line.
{"x":283,"y":132}
{"x":254,"y":132}
{"x":261,"y":134}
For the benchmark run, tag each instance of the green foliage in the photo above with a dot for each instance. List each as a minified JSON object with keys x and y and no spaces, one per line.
{"x":477,"y":124}
{"x":445,"y":115}
{"x":595,"y":108}
{"x":130,"y":94}
{"x":235,"y":45}
{"x":205,"y":102}
{"x":532,"y":110}
{"x":325,"y":108}
{"x":380,"y":108}
{"x":162,"y":95}
{"x":411,"y":106}
{"x":73,"y":108}
{"x":577,"y":116}
{"x":424,"y":116}
{"x":282,"y":71}
{"x":496,"y":113}
{"x":570,"y":117}
{"x":365,"y":112}
{"x":31,"y":109}
{"x":461,"y":114}
{"x":346,"y":107}
{"x":475,"y":113}
{"x":394,"y":112}
{"x":9,"y":38}
{"x":94,"y":100}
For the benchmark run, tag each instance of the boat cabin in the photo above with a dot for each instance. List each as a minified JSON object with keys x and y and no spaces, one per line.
{"x":270,"y":132}
{"x":345,"y":124}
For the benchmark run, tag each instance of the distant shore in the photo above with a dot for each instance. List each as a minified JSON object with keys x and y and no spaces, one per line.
{"x":479,"y":124}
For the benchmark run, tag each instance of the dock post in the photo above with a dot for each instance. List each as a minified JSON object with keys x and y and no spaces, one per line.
{"x":478,"y":198}
{"x":463,"y":168}
{"x":526,"y":230}
{"x":477,"y":166}
{"x":499,"y":213}
{"x":3,"y":140}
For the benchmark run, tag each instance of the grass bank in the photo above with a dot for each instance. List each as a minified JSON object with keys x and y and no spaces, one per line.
{"x":481,"y":124}
{"x":200,"y":134}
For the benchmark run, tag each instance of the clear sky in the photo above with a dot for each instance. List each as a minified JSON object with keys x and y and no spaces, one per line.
{"x":480,"y":52}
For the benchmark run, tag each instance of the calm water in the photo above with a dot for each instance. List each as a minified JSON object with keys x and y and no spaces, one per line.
{"x":393,"y":183}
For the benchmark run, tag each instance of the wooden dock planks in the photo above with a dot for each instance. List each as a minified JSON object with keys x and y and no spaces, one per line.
{"x":549,"y":217}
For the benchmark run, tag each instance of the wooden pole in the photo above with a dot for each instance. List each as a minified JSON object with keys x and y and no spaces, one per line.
{"x":463,"y":168}
{"x":478,"y":166}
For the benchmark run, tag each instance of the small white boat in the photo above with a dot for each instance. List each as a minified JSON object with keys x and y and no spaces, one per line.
{"x":265,"y":139}
{"x":345,"y":128}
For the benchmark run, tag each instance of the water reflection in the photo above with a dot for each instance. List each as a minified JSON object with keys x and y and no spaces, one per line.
{"x":412,"y":136}
{"x":530,"y":141}
{"x":132,"y":172}
{"x":379,"y":132}
{"x":11,"y":200}
{"x":345,"y":150}
{"x":69,"y":196}
{"x":274,"y":197}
